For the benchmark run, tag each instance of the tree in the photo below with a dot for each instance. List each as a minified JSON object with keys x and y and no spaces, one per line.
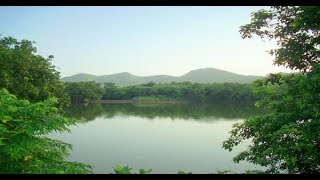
{"x":296,"y":31}
{"x":109,"y":90}
{"x":27,"y":75}
{"x":288,"y":139}
{"x":23,"y":146}
{"x":84,"y":91}
{"x":150,"y":84}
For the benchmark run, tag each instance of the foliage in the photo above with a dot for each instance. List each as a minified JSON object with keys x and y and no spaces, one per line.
{"x":287,"y":139}
{"x":111,"y":91}
{"x":84,"y":91}
{"x":195,"y":92}
{"x":23,"y":146}
{"x":223,"y":172}
{"x":143,"y":171}
{"x":245,"y":172}
{"x":27,"y":75}
{"x":257,"y":172}
{"x":296,"y":30}
{"x":118,"y":169}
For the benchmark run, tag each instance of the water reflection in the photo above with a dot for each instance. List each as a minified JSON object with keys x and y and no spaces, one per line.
{"x":199,"y":112}
{"x":164,"y":137}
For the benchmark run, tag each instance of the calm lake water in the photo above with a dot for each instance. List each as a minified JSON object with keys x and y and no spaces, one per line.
{"x":166,"y":137}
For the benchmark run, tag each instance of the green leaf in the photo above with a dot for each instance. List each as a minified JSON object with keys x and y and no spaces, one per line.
{"x":143,"y":171}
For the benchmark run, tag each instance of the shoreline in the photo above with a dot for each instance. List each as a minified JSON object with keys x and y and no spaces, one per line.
{"x":137,"y":102}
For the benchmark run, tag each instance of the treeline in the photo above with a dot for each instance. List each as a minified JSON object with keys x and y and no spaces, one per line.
{"x":195,"y":92}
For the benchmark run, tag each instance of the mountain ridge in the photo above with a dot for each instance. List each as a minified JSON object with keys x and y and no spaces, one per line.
{"x":203,"y":75}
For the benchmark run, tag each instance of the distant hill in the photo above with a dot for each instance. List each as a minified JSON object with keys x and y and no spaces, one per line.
{"x":209,"y":75}
{"x":206,"y":75}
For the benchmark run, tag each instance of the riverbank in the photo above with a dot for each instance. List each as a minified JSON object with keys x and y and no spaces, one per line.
{"x":137,"y":102}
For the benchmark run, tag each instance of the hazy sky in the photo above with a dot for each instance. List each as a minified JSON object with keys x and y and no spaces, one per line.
{"x":141,"y":40}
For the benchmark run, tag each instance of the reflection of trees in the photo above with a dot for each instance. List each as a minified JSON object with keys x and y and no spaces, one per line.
{"x":228,"y":110}
{"x":84,"y":112}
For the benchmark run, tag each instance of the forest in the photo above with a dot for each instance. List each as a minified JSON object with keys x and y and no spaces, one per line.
{"x":193,"y":92}
{"x":286,"y":140}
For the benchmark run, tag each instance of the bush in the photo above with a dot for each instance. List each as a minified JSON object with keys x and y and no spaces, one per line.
{"x":23,"y":146}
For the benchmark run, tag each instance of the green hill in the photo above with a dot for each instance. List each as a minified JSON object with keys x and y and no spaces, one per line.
{"x":209,"y":75}
{"x":206,"y":75}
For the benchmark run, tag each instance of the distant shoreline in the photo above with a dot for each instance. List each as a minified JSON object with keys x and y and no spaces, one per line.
{"x":136,"y":102}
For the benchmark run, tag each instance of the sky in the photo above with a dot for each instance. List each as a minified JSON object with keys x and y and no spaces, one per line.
{"x":142,"y":40}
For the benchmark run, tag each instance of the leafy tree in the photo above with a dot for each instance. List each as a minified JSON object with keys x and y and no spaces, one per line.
{"x":109,"y":89}
{"x":288,"y":139}
{"x":150,"y":84}
{"x":296,"y":31}
{"x":23,"y":146}
{"x":27,"y":75}
{"x":84,"y":91}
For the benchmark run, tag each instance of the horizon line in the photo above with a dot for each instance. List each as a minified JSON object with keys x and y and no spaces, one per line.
{"x":161,"y":74}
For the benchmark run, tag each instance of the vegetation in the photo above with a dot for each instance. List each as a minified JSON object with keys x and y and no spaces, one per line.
{"x":84,"y":91}
{"x":27,"y":75}
{"x":194,"y":92}
{"x":23,"y":146}
{"x":286,"y":140}
{"x":118,"y":169}
{"x":24,"y":123}
{"x":207,"y":75}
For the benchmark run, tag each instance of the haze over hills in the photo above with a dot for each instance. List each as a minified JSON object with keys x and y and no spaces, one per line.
{"x":206,"y":75}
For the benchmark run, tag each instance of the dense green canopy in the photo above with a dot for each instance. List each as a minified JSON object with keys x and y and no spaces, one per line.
{"x":23,"y":146}
{"x":28,"y":75}
{"x":195,"y":92}
{"x":288,"y":139}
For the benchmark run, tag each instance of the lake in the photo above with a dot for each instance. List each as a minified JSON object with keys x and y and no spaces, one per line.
{"x":164,"y":137}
